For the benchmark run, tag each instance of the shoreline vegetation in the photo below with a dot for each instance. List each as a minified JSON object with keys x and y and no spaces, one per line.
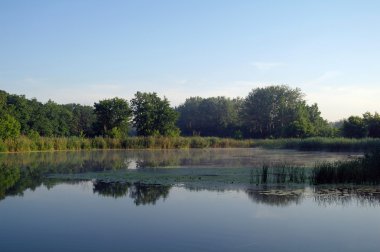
{"x":18,"y":174}
{"x":363,"y":171}
{"x":27,"y":144}
{"x":273,"y":112}
{"x":358,"y":171}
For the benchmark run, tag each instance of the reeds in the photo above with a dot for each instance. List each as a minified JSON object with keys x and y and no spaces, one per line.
{"x":25,"y":144}
{"x":320,"y":143}
{"x":365,"y":170}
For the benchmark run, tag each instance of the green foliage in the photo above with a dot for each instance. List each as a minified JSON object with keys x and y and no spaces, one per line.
{"x":112,"y":113}
{"x":9,"y":127}
{"x":215,"y":116}
{"x":354,"y":127}
{"x":153,"y":116}
{"x":33,"y":135}
{"x":269,"y":112}
{"x":364,"y":170}
{"x":279,"y":111}
{"x":373,"y":124}
{"x":83,"y":120}
{"x":8,"y":178}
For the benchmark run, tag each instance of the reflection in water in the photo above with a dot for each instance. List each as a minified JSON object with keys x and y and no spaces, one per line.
{"x":323,"y":196}
{"x":19,"y":172}
{"x":86,"y":161}
{"x":361,"y":195}
{"x":275,"y":196}
{"x":14,"y":182}
{"x":142,"y":194}
{"x":281,"y":174}
{"x":8,"y":178}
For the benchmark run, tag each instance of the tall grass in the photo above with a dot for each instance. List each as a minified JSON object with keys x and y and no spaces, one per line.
{"x":25,"y":144}
{"x":365,"y":170}
{"x":320,"y":143}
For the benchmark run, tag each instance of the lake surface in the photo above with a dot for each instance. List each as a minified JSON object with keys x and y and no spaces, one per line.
{"x":43,"y":213}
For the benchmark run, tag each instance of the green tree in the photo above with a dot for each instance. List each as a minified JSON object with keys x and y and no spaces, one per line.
{"x":9,"y":127}
{"x":214,"y":116}
{"x":373,"y":124}
{"x":354,"y":127}
{"x":280,"y":111}
{"x":153,"y":115}
{"x":83,"y":120}
{"x":112,"y":113}
{"x":59,"y":117}
{"x":267,"y":111}
{"x":19,"y":107}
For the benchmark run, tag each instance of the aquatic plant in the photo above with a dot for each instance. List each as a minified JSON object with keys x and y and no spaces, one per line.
{"x":363,"y":170}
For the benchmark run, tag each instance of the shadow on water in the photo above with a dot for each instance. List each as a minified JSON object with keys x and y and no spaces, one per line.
{"x":13,"y":182}
{"x":277,"y":182}
{"x":276,"y":196}
{"x":142,"y":194}
{"x":87,"y":161}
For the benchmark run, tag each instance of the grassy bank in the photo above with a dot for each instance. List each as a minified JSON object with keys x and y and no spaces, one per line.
{"x":320,"y":143}
{"x":25,"y":144}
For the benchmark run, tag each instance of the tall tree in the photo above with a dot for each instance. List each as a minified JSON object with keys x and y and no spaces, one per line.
{"x":267,"y":111}
{"x":113,"y":115}
{"x":83,"y":120}
{"x":153,"y":115}
{"x":373,"y":124}
{"x":280,"y":111}
{"x":59,"y":117}
{"x":214,"y":116}
{"x":354,"y":127}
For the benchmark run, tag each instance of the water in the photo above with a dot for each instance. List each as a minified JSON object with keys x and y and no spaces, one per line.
{"x":44,"y":214}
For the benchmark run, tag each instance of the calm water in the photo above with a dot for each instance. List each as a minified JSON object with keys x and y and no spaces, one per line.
{"x":41,"y":214}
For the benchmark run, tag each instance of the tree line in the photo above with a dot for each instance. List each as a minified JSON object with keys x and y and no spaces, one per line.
{"x":268,"y":112}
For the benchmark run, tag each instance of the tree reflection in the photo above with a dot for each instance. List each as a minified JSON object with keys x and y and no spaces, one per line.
{"x":8,"y":178}
{"x":142,"y":194}
{"x":111,"y":189}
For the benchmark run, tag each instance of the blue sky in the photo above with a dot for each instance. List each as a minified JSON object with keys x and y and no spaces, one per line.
{"x":83,"y":51}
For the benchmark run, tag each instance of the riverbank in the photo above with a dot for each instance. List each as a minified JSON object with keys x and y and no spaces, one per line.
{"x":25,"y":144}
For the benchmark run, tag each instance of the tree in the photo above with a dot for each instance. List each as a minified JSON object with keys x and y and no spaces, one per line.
{"x":9,"y":127}
{"x":19,"y":107}
{"x":59,"y":117}
{"x":112,"y":113}
{"x":373,"y":124}
{"x":354,"y":127}
{"x":83,"y":120}
{"x":39,"y":122}
{"x":214,"y":116}
{"x":267,"y":111}
{"x":279,"y":111}
{"x":153,"y":115}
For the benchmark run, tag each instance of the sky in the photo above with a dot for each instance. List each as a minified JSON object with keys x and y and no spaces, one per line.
{"x":83,"y":51}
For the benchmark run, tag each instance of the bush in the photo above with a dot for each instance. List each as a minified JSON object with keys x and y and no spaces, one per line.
{"x":99,"y":143}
